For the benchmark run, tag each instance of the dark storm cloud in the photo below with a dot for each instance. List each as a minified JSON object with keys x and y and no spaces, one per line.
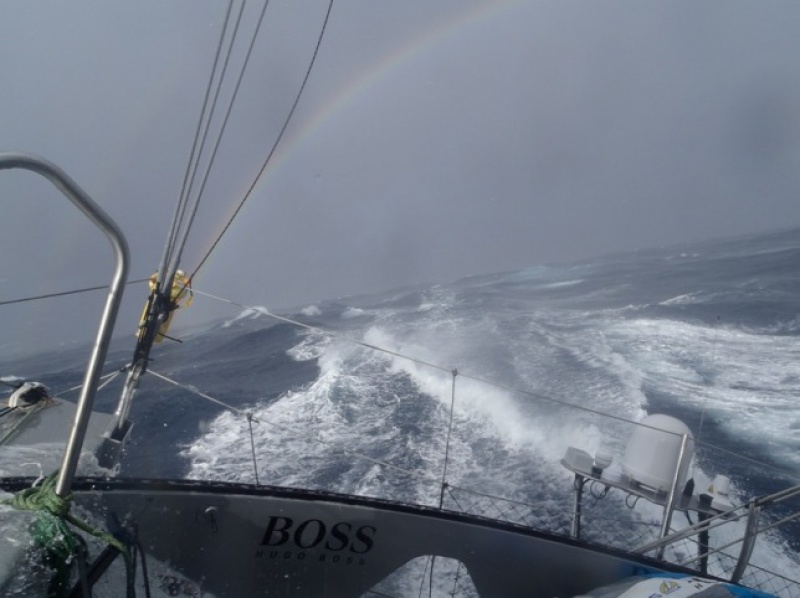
{"x":468,"y":137}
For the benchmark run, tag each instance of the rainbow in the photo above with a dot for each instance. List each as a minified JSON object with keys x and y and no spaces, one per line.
{"x":369,"y":78}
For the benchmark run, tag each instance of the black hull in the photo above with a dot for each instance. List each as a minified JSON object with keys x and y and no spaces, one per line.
{"x":232,"y":540}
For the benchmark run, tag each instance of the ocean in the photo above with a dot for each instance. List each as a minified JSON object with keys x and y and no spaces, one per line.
{"x":502,"y":372}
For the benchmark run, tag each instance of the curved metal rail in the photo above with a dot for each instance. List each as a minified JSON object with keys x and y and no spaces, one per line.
{"x":120,"y":246}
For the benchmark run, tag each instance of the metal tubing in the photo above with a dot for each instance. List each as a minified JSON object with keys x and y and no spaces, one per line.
{"x":91,"y":379}
{"x":749,"y":540}
{"x":709,"y":524}
{"x":669,"y":507}
{"x":578,"y":506}
{"x":124,"y":406}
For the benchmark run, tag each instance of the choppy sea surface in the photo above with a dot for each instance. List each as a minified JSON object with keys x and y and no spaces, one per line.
{"x":707,"y":333}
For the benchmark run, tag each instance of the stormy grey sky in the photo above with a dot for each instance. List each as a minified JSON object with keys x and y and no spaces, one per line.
{"x":435,"y":140}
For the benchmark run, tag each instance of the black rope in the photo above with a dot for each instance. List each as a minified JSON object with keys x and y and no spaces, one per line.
{"x":61,"y":294}
{"x":274,"y":145}
{"x":82,"y":557}
{"x":430,"y":579}
{"x":145,"y":574}
{"x":422,"y":581}
{"x":456,"y":579}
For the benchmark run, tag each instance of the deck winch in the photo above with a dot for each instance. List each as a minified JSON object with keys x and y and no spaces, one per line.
{"x":28,"y":395}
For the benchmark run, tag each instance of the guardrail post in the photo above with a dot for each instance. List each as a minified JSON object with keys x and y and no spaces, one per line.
{"x":748,"y":542}
{"x":672,"y":496}
{"x":576,"y":515}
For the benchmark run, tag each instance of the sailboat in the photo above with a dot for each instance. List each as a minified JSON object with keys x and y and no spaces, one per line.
{"x":109,"y":534}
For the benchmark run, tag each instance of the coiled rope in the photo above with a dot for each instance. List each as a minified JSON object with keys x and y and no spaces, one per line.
{"x":29,"y":412}
{"x":51,"y":531}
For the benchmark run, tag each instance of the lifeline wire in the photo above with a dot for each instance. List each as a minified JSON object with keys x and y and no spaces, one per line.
{"x":497,"y":385}
{"x":328,"y":333}
{"x":418,"y":475}
{"x":202,"y":394}
{"x":427,"y":363}
{"x":108,"y":378}
{"x":422,"y":476}
{"x":444,"y":486}
{"x":62,"y":293}
{"x":423,"y":362}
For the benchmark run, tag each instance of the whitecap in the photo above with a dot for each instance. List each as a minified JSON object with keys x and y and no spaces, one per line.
{"x":250,"y":313}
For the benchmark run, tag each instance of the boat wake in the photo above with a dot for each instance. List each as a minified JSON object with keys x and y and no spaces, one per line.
{"x":537,"y":361}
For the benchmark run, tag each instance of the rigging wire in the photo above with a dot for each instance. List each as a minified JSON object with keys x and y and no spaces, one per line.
{"x":173,"y":265}
{"x":63,"y":293}
{"x":274,"y":145}
{"x":162,"y":299}
{"x":190,"y":169}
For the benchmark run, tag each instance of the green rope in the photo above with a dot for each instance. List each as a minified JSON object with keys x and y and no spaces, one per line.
{"x":18,"y":424}
{"x":41,"y":498}
{"x":51,"y":532}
